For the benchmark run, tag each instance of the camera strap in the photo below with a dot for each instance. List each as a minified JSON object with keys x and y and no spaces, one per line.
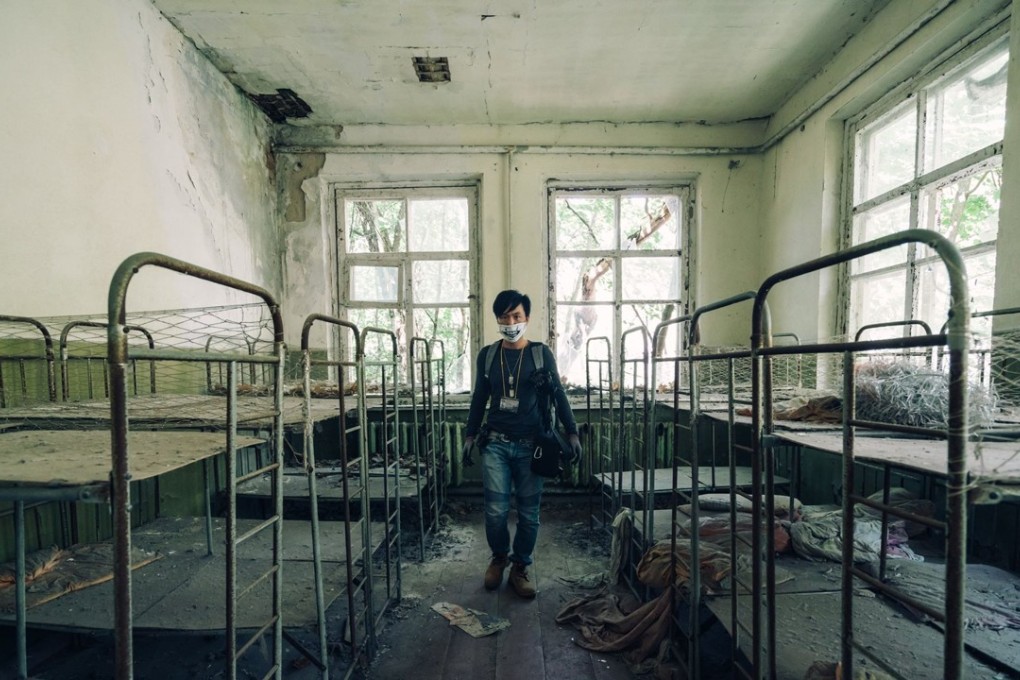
{"x":490,"y":355}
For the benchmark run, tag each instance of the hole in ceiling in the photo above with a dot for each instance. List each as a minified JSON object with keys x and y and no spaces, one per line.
{"x":432,"y":69}
{"x":282,"y":105}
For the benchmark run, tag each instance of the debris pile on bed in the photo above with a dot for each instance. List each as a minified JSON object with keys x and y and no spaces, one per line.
{"x":906,"y":394}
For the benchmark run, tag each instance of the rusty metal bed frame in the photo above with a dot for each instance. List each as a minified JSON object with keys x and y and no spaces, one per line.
{"x":21,"y":360}
{"x":762,"y":652}
{"x":67,"y":357}
{"x":353,"y":465}
{"x":599,"y":460}
{"x":692,"y":476}
{"x":757,"y":637}
{"x":120,"y":355}
{"x":384,"y":444}
{"x":426,"y":368}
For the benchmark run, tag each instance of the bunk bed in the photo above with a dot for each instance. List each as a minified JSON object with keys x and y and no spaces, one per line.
{"x":26,"y":350}
{"x":776,"y":644}
{"x":158,"y":572}
{"x":379,"y":366}
{"x":659,"y":471}
{"x":427,"y":361}
{"x":348,"y":475}
{"x":782,"y":613}
{"x":600,"y":434}
{"x":693,"y":476}
{"x":658,"y":429}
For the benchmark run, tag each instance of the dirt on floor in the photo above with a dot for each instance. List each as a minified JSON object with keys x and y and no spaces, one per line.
{"x":454,"y":554}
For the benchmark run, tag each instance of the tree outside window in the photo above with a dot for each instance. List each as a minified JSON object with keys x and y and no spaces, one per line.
{"x":932,"y":161}
{"x":617,"y":262}
{"x":406,"y":264}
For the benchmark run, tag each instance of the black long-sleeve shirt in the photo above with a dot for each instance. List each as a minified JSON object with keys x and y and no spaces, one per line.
{"x":527,"y":421}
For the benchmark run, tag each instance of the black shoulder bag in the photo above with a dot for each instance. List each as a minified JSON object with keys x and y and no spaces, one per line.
{"x":551,"y":447}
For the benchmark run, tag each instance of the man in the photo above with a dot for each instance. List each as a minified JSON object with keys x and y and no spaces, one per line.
{"x":507,"y":387}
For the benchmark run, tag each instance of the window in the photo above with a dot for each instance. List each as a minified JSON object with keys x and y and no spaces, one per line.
{"x":407,"y":264}
{"x":617,"y":262}
{"x":933,"y":160}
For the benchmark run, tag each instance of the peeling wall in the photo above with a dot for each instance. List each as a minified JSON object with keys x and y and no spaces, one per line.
{"x":124,"y":139}
{"x":513,"y":217}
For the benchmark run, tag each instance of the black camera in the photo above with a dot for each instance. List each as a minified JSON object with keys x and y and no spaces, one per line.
{"x":542,"y":381}
{"x":482,"y":440}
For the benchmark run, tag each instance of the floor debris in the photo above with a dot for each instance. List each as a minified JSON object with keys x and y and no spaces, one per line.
{"x":471,"y":621}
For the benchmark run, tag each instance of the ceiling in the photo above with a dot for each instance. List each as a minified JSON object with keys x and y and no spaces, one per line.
{"x":516,"y":62}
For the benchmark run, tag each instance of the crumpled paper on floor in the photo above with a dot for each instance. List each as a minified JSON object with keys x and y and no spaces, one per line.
{"x":475,"y":623}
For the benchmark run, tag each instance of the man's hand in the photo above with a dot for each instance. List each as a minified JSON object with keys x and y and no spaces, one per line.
{"x":465,"y":454}
{"x":575,"y":449}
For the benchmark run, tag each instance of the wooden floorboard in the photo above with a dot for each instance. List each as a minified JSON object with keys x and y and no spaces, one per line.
{"x":417,"y":642}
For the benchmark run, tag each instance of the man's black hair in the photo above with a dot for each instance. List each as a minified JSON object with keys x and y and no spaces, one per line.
{"x":509,"y":299}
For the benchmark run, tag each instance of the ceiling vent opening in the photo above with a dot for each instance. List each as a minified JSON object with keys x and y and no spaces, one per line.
{"x":282,"y":105}
{"x":432,"y":69}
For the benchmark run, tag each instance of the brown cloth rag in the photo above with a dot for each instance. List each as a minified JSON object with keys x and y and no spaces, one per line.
{"x":605,"y":627}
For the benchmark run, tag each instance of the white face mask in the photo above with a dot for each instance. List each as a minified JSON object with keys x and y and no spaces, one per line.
{"x":513,"y":332}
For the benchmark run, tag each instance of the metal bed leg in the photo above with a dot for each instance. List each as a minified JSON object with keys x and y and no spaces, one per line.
{"x":19,"y":539}
{"x":313,"y":501}
{"x":230,"y":540}
{"x":208,"y":508}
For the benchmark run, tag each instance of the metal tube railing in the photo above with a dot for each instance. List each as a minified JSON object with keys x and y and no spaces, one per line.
{"x":48,"y":355}
{"x":65,"y":358}
{"x":118,"y":358}
{"x":958,"y":339}
{"x":603,"y":466}
{"x":634,"y":437}
{"x":352,"y":561}
{"x":389,"y":443}
{"x":696,"y":358}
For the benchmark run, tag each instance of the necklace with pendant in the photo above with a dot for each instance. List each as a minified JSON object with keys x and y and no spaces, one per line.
{"x":511,"y":391}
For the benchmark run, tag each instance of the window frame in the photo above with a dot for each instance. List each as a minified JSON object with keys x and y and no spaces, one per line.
{"x":404,"y":260}
{"x":685,"y":190}
{"x":924,"y":182}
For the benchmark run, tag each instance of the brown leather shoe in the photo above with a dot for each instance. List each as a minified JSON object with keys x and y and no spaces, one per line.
{"x":520,"y":583}
{"x":494,"y":574}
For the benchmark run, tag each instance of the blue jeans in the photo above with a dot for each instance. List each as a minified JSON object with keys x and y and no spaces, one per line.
{"x":506,"y":466}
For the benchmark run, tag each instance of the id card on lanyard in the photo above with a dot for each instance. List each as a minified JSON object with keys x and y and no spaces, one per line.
{"x":508,"y":405}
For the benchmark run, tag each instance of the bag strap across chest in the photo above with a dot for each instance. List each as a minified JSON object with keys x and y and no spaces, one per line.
{"x":536,"y":354}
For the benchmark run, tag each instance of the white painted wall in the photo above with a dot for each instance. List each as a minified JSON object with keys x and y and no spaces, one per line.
{"x":513,"y":242}
{"x":1007,"y":283}
{"x":799,"y":213}
{"x":118,"y":137}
